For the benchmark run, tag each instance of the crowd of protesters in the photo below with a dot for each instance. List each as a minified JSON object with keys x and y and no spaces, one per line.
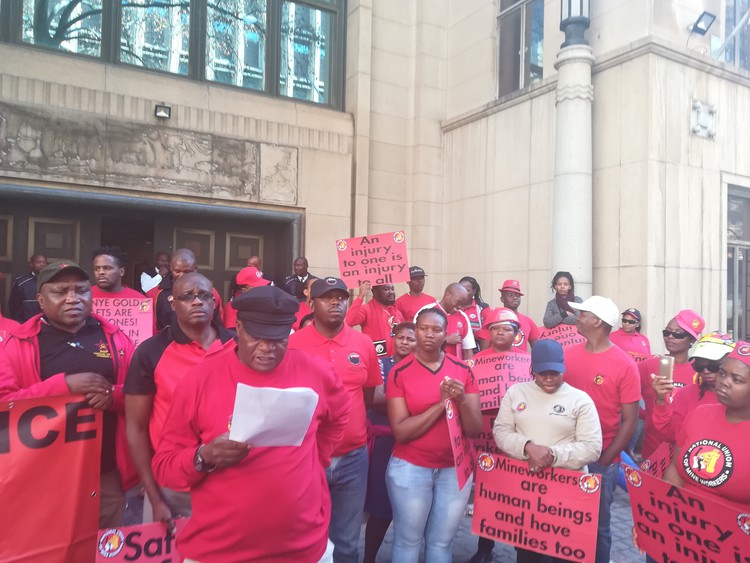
{"x":378,"y":444}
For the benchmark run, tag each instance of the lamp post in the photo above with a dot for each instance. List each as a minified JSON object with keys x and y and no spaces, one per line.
{"x":572,"y":209}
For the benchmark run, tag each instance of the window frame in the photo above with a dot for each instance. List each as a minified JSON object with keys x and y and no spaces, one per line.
{"x":11,"y":23}
{"x":524,"y":54}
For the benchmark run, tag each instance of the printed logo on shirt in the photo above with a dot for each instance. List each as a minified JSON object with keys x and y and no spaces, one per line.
{"x":103,"y":351}
{"x":599,"y":379}
{"x":472,"y":315}
{"x":460,"y":324}
{"x":170,"y":298}
{"x":678,"y":384}
{"x":708,"y":462}
{"x":520,"y":407}
{"x":111,"y":543}
{"x":633,"y":477}
{"x":589,"y":483}
{"x":470,"y":363}
{"x":398,"y":237}
{"x":744,"y":350}
{"x":354,"y":359}
{"x":486,"y":462}
{"x":743,"y":521}
{"x":558,"y":409}
{"x":519,"y":339}
{"x":644,"y":343}
{"x":341,"y":245}
{"x":379,"y":348}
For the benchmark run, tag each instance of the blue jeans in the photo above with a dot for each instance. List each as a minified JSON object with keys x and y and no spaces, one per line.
{"x":427,"y":504}
{"x":347,"y":481}
{"x":609,"y":484}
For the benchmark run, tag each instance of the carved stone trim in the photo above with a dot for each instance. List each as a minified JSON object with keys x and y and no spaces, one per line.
{"x":573,"y":92}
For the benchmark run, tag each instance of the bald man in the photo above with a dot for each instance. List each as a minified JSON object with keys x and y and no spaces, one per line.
{"x":460,"y":339}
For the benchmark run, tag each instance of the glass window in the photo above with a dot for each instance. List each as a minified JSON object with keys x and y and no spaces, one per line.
{"x":305,"y":58}
{"x":520,"y":45}
{"x":236,"y":50}
{"x":738,"y":50}
{"x":74,"y":26}
{"x":155,"y":34}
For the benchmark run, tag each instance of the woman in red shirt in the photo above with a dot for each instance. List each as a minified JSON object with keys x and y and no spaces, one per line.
{"x":421,"y":478}
{"x":628,"y":336}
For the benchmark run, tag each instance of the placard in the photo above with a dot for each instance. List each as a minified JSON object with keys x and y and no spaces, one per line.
{"x":485,"y":442}
{"x":142,"y":542}
{"x":50,"y":452}
{"x":566,"y":335}
{"x":379,"y":259}
{"x":464,"y":455}
{"x":135,"y":317}
{"x":495,"y":374}
{"x":657,"y":464}
{"x":553,"y":511}
{"x":674,"y":524}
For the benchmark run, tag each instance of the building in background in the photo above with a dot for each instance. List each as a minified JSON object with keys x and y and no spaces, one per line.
{"x":294,"y":123}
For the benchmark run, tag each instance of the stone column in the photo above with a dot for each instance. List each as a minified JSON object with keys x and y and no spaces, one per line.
{"x":572,"y":239}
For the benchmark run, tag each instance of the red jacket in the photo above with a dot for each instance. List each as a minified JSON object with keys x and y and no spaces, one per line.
{"x":19,"y":379}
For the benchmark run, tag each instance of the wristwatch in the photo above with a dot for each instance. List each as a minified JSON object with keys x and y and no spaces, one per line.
{"x":199,"y":463}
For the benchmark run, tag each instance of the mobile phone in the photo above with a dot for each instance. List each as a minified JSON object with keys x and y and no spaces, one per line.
{"x":666,"y":367}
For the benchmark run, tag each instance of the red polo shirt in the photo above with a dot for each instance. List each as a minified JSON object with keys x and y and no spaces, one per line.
{"x":377,"y":322}
{"x":634,"y":342}
{"x":353,"y":358}
{"x":458,"y":322}
{"x":410,"y":305}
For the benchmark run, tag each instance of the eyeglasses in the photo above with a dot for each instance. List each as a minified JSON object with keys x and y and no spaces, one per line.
{"x":711,"y":367}
{"x":628,"y":322}
{"x":679,"y":335}
{"x":204,"y":296}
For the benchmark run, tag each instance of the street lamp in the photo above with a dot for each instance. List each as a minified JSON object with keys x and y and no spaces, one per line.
{"x":574,"y":21}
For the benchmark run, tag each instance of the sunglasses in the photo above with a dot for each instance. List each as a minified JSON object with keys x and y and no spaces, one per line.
{"x":679,"y":335}
{"x":190,"y":297}
{"x":628,"y":322}
{"x":711,"y":367}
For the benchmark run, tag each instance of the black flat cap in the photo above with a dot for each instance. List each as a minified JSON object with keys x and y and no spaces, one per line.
{"x":266,"y":312}
{"x":322,"y":286}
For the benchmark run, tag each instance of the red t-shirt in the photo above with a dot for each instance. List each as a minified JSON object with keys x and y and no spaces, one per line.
{"x":458,"y":323}
{"x":353,"y":358}
{"x":377,"y":322}
{"x":634,"y":342}
{"x":528,"y":332}
{"x":713,"y":457}
{"x":124,"y":293}
{"x":683,"y":375}
{"x":475,"y":314}
{"x":611,"y":380}
{"x":304,"y":310}
{"x":669,"y":417}
{"x":274,"y":505}
{"x":410,"y":305}
{"x":420,"y":387}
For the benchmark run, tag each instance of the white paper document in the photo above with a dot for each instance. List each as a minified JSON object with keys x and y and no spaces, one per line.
{"x":266,"y":416}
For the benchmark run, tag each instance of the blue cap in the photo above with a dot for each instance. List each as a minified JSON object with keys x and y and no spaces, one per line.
{"x":547,"y":355}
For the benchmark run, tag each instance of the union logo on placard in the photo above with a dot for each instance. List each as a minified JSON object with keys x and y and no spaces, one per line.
{"x":341,"y":245}
{"x":743,"y":521}
{"x":633,"y":477}
{"x":399,"y":237}
{"x":145,"y":306}
{"x":111,"y":543}
{"x":708,"y":462}
{"x":589,"y":482}
{"x":449,"y":411}
{"x":470,"y":363}
{"x":646,"y":465}
{"x":486,"y":462}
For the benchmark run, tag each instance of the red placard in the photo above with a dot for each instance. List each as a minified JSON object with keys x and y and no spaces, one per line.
{"x":143,"y":542}
{"x":49,"y":479}
{"x":496,"y":373}
{"x":135,"y":317}
{"x":566,"y":335}
{"x":485,"y":442}
{"x":656,"y":465}
{"x":378,"y":259}
{"x":464,"y":455}
{"x":675,"y":524}
{"x":554,"y":511}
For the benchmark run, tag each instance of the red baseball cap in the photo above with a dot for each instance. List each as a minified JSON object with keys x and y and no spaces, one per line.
{"x":741,"y":352}
{"x":691,"y":322}
{"x":511,"y":285}
{"x":252,"y":277}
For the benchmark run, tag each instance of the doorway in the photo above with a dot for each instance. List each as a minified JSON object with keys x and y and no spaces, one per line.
{"x":136,"y":237}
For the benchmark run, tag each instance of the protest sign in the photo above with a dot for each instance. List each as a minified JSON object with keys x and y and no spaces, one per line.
{"x":485,"y":442}
{"x":135,"y":317}
{"x":495,"y":373}
{"x":49,"y":479}
{"x":566,"y":335}
{"x":675,"y":524}
{"x":658,"y":461}
{"x":552,"y":511}
{"x":464,"y":455}
{"x":379,"y":259}
{"x":142,"y":542}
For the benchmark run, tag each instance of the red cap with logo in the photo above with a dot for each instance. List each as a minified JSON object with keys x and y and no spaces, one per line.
{"x":511,"y":285}
{"x":691,"y":322}
{"x":251,"y":276}
{"x":741,"y":352}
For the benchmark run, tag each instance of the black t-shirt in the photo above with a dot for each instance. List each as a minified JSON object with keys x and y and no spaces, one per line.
{"x":86,"y":350}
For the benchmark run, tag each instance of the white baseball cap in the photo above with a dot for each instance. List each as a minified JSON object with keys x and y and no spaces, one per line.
{"x":602,"y":307}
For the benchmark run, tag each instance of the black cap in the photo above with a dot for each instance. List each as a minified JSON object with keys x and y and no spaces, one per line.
{"x":266,"y":312}
{"x":324,"y":285}
{"x":634,"y":312}
{"x":416,"y":271}
{"x":57,"y":267}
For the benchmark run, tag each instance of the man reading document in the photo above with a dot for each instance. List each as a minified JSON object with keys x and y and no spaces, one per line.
{"x":234,"y":519}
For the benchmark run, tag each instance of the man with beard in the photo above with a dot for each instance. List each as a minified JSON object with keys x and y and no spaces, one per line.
{"x":377,"y":317}
{"x":109,"y":268}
